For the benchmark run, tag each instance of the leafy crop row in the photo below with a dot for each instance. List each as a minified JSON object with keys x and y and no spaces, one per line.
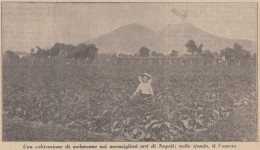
{"x":189,"y":103}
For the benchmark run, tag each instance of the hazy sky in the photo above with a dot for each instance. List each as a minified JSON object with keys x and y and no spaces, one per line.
{"x":25,"y":25}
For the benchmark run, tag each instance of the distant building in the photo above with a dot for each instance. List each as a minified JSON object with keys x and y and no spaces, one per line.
{"x":22,"y":54}
{"x":123,"y":53}
{"x":223,"y":58}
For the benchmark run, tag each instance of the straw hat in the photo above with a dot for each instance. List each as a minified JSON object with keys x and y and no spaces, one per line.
{"x":146,"y":74}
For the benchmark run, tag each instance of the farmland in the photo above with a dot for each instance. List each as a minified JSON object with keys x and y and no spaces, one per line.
{"x":191,"y":103}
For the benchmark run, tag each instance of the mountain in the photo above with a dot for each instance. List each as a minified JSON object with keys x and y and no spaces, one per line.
{"x":130,"y":38}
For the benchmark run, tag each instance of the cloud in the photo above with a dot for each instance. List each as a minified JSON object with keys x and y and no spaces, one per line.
{"x":183,"y":15}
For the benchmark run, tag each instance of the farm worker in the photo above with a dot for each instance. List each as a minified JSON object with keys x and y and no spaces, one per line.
{"x":144,"y":87}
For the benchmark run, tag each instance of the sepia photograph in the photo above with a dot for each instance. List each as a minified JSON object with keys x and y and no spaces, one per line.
{"x":129,"y":72}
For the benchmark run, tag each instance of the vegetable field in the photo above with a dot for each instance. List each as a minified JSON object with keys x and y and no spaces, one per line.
{"x":191,"y":103}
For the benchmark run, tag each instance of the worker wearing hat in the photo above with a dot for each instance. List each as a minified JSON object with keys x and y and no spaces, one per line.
{"x":144,"y":87}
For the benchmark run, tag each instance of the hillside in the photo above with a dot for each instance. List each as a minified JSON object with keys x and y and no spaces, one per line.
{"x":129,"y":38}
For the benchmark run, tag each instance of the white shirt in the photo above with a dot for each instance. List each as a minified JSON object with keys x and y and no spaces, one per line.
{"x":144,"y":88}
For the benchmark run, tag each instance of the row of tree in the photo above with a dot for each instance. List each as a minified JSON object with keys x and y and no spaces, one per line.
{"x":83,"y":51}
{"x":235,"y":53}
{"x":69,"y":51}
{"x":190,"y":45}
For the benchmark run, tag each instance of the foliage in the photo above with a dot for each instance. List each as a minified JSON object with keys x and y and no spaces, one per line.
{"x":208,"y":57}
{"x":199,"y":49}
{"x":235,"y":53}
{"x":144,"y":52}
{"x":32,"y":50}
{"x":189,"y":103}
{"x":254,"y":59}
{"x":11,"y":55}
{"x":78,"y":52}
{"x":85,"y":51}
{"x":174,"y":53}
{"x":37,"y":132}
{"x":191,"y":46}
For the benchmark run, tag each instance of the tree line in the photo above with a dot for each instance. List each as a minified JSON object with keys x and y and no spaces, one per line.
{"x":83,"y":51}
{"x":69,"y":51}
{"x":236,"y":53}
{"x":61,"y":50}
